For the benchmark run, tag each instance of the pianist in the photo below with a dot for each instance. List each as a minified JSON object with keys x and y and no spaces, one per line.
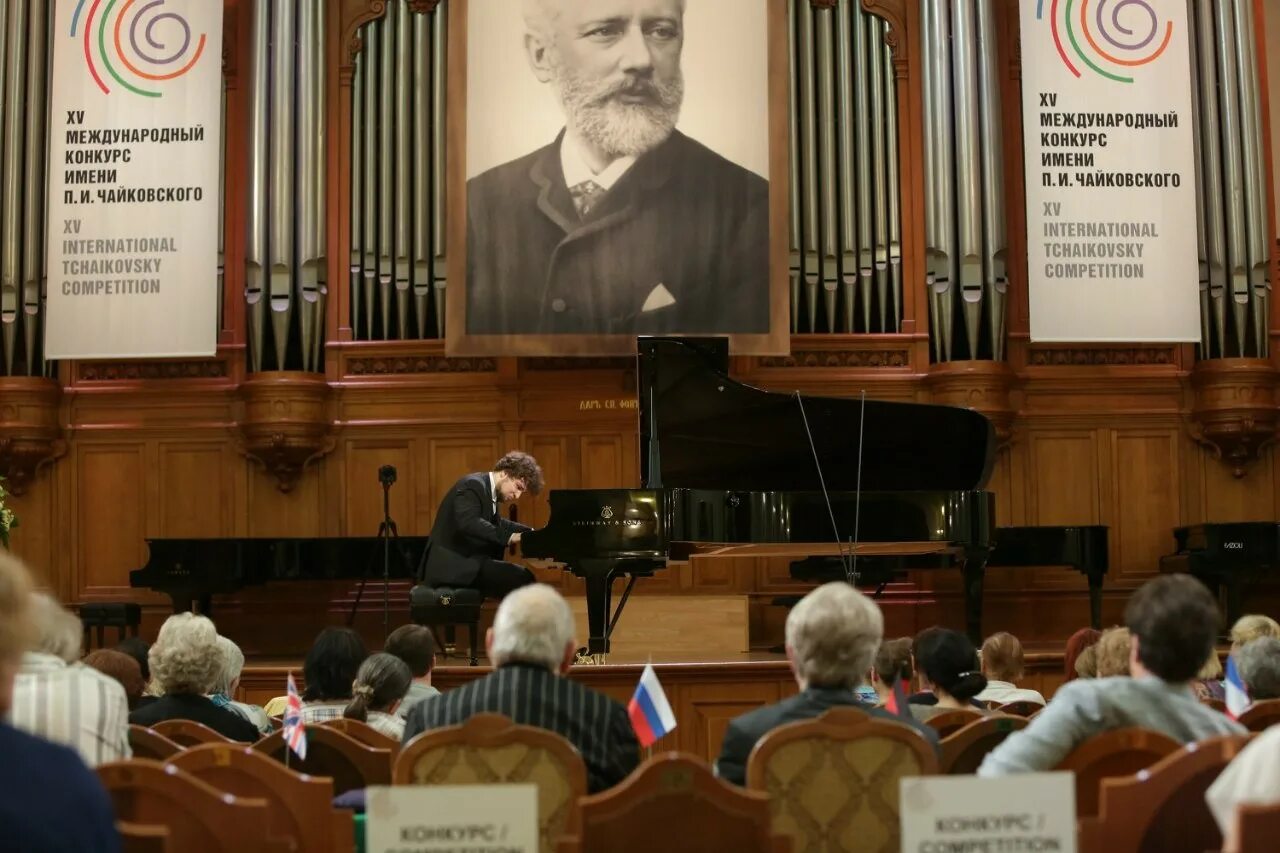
{"x":469,"y":535}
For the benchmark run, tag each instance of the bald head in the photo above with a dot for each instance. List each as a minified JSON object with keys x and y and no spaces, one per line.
{"x":533,"y":625}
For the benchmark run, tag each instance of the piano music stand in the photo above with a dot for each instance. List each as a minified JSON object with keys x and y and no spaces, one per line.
{"x":386,"y":532}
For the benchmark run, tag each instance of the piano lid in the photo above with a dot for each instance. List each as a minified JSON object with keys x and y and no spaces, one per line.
{"x":716,"y":432}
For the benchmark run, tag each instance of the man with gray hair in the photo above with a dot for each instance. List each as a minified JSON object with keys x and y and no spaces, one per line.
{"x":622,"y":224}
{"x":832,"y":638}
{"x":531,"y":646}
{"x":64,"y":701}
{"x":1259,"y":662}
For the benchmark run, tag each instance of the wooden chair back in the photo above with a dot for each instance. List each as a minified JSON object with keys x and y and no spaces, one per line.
{"x":1261,"y":714}
{"x":948,"y":722}
{"x":365,"y":733}
{"x":833,"y":780}
{"x":1216,"y":704}
{"x":300,"y":806}
{"x":189,"y":732}
{"x":490,"y":749}
{"x":1162,"y":808}
{"x":1257,"y":828}
{"x":146,"y":743}
{"x":349,"y":763}
{"x":198,"y":816}
{"x":1021,"y":708}
{"x":963,"y":750}
{"x":1119,"y":752}
{"x":673,"y":802}
{"x":143,"y":837}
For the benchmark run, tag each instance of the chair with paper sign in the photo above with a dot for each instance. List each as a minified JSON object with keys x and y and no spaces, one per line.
{"x":489,"y":749}
{"x":674,"y":803}
{"x":833,"y":780}
{"x":1162,"y":807}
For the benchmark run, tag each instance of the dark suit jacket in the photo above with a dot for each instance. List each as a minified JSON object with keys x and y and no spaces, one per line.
{"x":743,"y":732}
{"x":682,"y":217}
{"x":200,"y":709}
{"x":532,"y":696}
{"x":466,"y":530}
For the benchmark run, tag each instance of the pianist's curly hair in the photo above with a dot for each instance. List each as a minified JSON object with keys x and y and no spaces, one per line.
{"x":522,"y":466}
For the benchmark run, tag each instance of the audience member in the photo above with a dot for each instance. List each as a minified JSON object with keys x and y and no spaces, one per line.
{"x":949,"y":668}
{"x":1172,"y":621}
{"x":831,"y":639}
{"x":531,"y":646}
{"x":67,"y":702}
{"x":1208,"y":683}
{"x":1251,"y":627}
{"x":1087,"y":664}
{"x":49,"y":801}
{"x":1083,"y":639}
{"x":414,"y":645}
{"x":1259,"y":664}
{"x":186,"y":665}
{"x":893,"y":664}
{"x":330,"y":670}
{"x":380,"y":685}
{"x":138,"y":649}
{"x":122,"y":668}
{"x":1111,"y":653}
{"x":228,"y":681}
{"x":1002,"y":664}
{"x":1252,"y":778}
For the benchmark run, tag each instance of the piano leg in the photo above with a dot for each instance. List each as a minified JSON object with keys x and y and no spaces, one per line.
{"x":599,"y":577}
{"x":974,"y":572}
{"x":1095,"y":601}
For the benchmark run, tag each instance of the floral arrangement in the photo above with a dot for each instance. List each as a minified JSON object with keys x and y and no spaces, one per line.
{"x":8,"y":520}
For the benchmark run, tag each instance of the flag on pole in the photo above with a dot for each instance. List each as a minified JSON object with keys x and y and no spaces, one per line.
{"x":295,"y":731}
{"x":1237,"y":693}
{"x":650,"y":711}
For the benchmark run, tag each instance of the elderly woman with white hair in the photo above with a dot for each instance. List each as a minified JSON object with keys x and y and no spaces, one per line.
{"x":224,"y":689}
{"x":186,"y":665}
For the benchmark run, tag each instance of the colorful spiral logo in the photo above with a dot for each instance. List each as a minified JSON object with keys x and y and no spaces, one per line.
{"x":1122,"y":34}
{"x":139,"y":40}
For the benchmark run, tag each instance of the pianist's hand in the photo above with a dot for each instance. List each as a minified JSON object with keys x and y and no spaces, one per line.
{"x":514,"y":540}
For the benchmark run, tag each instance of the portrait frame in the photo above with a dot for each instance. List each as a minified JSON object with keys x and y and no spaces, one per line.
{"x":459,"y":342}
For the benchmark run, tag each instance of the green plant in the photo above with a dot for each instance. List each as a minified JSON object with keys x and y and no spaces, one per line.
{"x":8,"y":520}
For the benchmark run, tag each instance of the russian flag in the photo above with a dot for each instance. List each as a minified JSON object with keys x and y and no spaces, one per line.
{"x":1237,"y":693}
{"x":649,"y":709}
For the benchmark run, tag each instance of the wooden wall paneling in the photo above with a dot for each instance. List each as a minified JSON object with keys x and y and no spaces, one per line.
{"x":194,"y":480}
{"x":552,"y":453}
{"x":704,"y":711}
{"x":1144,"y":473}
{"x":1062,"y":477}
{"x":300,"y":512}
{"x":602,"y":464}
{"x":111,"y":516}
{"x":1226,"y":498}
{"x":451,"y":458}
{"x":362,"y":509}
{"x":33,"y":540}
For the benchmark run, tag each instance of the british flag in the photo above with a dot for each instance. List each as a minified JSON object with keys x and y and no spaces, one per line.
{"x":295,"y":731}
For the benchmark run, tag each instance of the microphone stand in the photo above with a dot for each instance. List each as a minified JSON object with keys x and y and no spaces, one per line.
{"x":386,"y":531}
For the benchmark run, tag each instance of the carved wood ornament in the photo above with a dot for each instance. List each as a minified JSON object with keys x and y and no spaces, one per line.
{"x":1234,"y":412}
{"x":30,"y":437}
{"x":286,"y":424}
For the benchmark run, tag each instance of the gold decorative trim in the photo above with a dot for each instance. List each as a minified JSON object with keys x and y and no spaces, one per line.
{"x":131,"y":371}
{"x":840,"y":359}
{"x":1089,"y":356}
{"x":408,"y":365}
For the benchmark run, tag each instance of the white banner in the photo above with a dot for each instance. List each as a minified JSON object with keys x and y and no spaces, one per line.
{"x":1110,"y":171}
{"x":1030,"y":811}
{"x":134,"y":178}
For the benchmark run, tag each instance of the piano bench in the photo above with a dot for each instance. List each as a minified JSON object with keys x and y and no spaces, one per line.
{"x":448,"y":607}
{"x":124,"y":617}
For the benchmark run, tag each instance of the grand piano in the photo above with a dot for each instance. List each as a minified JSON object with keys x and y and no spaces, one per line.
{"x":1226,"y":556}
{"x":864,"y":489}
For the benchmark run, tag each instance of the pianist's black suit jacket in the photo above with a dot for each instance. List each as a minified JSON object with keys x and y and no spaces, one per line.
{"x":744,"y":731}
{"x":466,"y":531}
{"x":531,"y":695}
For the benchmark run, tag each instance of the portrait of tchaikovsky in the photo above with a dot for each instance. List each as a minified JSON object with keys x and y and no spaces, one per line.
{"x":620,"y":224}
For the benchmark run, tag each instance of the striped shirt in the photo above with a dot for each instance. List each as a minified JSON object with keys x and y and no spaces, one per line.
{"x":319,"y":712}
{"x":531,"y":695}
{"x":389,"y":724}
{"x":73,"y":705}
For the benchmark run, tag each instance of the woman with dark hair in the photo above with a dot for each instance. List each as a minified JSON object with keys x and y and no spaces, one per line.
{"x":329,"y":670}
{"x":949,"y":667}
{"x":122,"y":668}
{"x":1076,"y":644}
{"x":379,"y":686}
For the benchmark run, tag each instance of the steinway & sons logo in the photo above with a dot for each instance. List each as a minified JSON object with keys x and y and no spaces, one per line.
{"x":607,"y":520}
